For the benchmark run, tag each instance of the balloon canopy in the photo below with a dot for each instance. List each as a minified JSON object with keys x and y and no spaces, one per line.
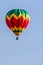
{"x":17,"y":20}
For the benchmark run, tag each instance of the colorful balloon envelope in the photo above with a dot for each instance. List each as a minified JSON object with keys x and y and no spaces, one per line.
{"x":17,"y":20}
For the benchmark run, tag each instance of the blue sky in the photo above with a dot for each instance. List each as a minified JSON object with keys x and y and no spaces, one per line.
{"x":28,"y":50}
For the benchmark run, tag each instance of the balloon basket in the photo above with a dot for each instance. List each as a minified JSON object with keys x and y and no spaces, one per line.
{"x":17,"y":38}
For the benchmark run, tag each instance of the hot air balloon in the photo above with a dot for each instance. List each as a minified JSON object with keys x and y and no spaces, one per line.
{"x":17,"y":20}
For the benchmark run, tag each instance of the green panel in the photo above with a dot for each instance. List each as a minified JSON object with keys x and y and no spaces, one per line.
{"x":17,"y":31}
{"x":10,"y":12}
{"x":17,"y":12}
{"x":22,"y":12}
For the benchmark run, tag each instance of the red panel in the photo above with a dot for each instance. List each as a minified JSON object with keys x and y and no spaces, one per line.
{"x":21,"y":21}
{"x":15,"y":22}
{"x":12,"y":22}
{"x":8,"y":23}
{"x":26,"y":23}
{"x":18,"y":22}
